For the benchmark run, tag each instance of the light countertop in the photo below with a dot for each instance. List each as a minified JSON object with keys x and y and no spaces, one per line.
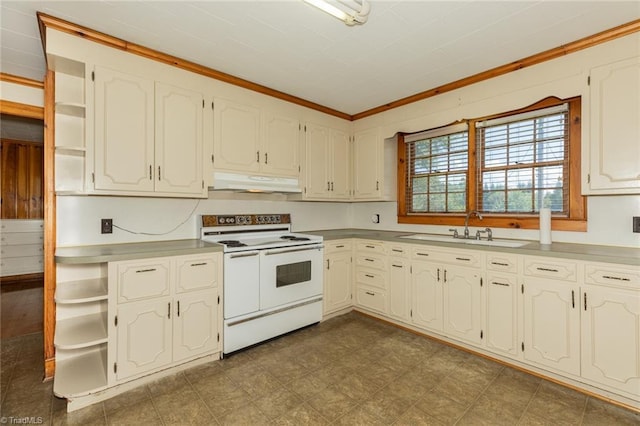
{"x":588,"y":252}
{"x":128,"y":251}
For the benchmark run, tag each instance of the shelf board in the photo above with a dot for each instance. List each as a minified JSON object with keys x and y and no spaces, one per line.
{"x":69,"y":108}
{"x":71,"y":150}
{"x":82,"y":291}
{"x":81,"y":332}
{"x":81,"y":375}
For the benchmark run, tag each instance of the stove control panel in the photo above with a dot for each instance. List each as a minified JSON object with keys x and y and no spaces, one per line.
{"x":245,"y":219}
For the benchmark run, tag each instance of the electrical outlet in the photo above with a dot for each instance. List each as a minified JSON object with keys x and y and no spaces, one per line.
{"x":636,"y":224}
{"x":106,"y":226}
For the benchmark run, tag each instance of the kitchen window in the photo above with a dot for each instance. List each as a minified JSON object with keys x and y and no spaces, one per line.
{"x":506,"y":166}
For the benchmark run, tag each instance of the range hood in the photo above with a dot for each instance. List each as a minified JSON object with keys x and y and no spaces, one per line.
{"x":223,"y":181}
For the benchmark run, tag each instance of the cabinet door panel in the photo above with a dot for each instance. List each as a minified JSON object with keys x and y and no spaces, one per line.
{"x":280,"y":148}
{"x":179,"y":143}
{"x":124,"y":131}
{"x":367,"y":164}
{"x":461,"y":295}
{"x":399,"y":288}
{"x":195,"y":328}
{"x":502,"y":313}
{"x":341,"y":169}
{"x":427,"y":296}
{"x":615,"y":128}
{"x":317,"y":148}
{"x":338,"y":277}
{"x":552,"y":324}
{"x":611,"y":337}
{"x":237,"y":136}
{"x":144,"y":337}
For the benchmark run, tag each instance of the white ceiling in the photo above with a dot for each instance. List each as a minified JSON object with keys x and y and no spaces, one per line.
{"x":405,"y":48}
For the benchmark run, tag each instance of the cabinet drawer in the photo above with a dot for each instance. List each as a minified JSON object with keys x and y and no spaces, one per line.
{"x":612,"y":275}
{"x":138,"y":280}
{"x":333,"y":246}
{"x":196,"y":273}
{"x":422,"y":253}
{"x":16,"y":238}
{"x":370,"y":247}
{"x":398,"y":250}
{"x":21,"y":265}
{"x":371,"y":299}
{"x":543,"y":267}
{"x":502,"y":262}
{"x":22,"y":250}
{"x":464,"y":258}
{"x":371,"y":261}
{"x":370,"y":277}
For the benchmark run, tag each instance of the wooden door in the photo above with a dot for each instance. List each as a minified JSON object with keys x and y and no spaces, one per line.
{"x":21,"y":173}
{"x":426,"y":309}
{"x":195,"y":325}
{"x":461,"y":295}
{"x":338,"y":280}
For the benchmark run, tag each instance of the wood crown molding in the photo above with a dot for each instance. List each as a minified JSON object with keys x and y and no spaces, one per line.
{"x":47,"y":21}
{"x":21,"y":110}
{"x":21,"y":80}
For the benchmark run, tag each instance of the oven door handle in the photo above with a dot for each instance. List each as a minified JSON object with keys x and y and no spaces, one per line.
{"x":270,"y":252}
{"x":248,"y":254}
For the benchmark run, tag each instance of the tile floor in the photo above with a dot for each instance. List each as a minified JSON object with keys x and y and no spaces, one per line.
{"x":350,"y":370}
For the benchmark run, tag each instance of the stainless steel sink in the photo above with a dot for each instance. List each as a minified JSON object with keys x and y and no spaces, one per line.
{"x":450,"y":239}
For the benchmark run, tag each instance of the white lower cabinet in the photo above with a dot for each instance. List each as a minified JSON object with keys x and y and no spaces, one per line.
{"x":371,"y":276}
{"x":144,"y":337}
{"x":122,"y":320}
{"x":611,"y":329}
{"x":447,"y":295}
{"x":462,"y":306}
{"x":195,"y":330}
{"x":176,"y":316}
{"x":338,"y":276}
{"x":502,"y":315}
{"x":426,"y":295}
{"x":552,"y":324}
{"x":501,"y":305}
{"x":399,"y":283}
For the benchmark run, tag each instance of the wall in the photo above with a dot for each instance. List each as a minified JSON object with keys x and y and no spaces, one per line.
{"x":79,"y":217}
{"x":609,"y":217}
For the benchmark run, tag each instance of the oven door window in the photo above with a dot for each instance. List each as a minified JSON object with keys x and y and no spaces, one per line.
{"x":293,"y":273}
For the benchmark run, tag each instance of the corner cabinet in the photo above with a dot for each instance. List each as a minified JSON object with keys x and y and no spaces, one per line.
{"x":374,"y":166}
{"x":614,"y":152}
{"x":148,"y":137}
{"x":120,"y":321}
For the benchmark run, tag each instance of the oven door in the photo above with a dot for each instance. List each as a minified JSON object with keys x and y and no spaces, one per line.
{"x":290,"y":274}
{"x":241,"y":283}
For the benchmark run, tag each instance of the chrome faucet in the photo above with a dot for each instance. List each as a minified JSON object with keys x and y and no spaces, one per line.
{"x":466,"y":222}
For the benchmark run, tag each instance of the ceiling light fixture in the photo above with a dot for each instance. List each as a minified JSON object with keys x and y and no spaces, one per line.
{"x":351,"y":12}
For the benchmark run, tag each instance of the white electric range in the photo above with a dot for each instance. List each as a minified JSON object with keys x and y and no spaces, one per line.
{"x":272,"y":276}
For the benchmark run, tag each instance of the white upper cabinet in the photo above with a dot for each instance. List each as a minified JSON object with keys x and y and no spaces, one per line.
{"x":236,"y":144}
{"x":281,"y":154}
{"x":148,"y":137}
{"x":367,"y":164}
{"x":614,"y":151}
{"x":124,"y":131}
{"x":250,"y":139}
{"x":328,"y":170}
{"x":179,"y":141}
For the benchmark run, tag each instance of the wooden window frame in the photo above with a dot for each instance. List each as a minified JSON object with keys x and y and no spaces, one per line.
{"x":576,"y":220}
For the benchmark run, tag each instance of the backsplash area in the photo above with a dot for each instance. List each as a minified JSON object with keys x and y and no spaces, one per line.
{"x":157,"y":219}
{"x":609,"y":222}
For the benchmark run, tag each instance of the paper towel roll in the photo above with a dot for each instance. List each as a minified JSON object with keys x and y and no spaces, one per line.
{"x":545,"y":226}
